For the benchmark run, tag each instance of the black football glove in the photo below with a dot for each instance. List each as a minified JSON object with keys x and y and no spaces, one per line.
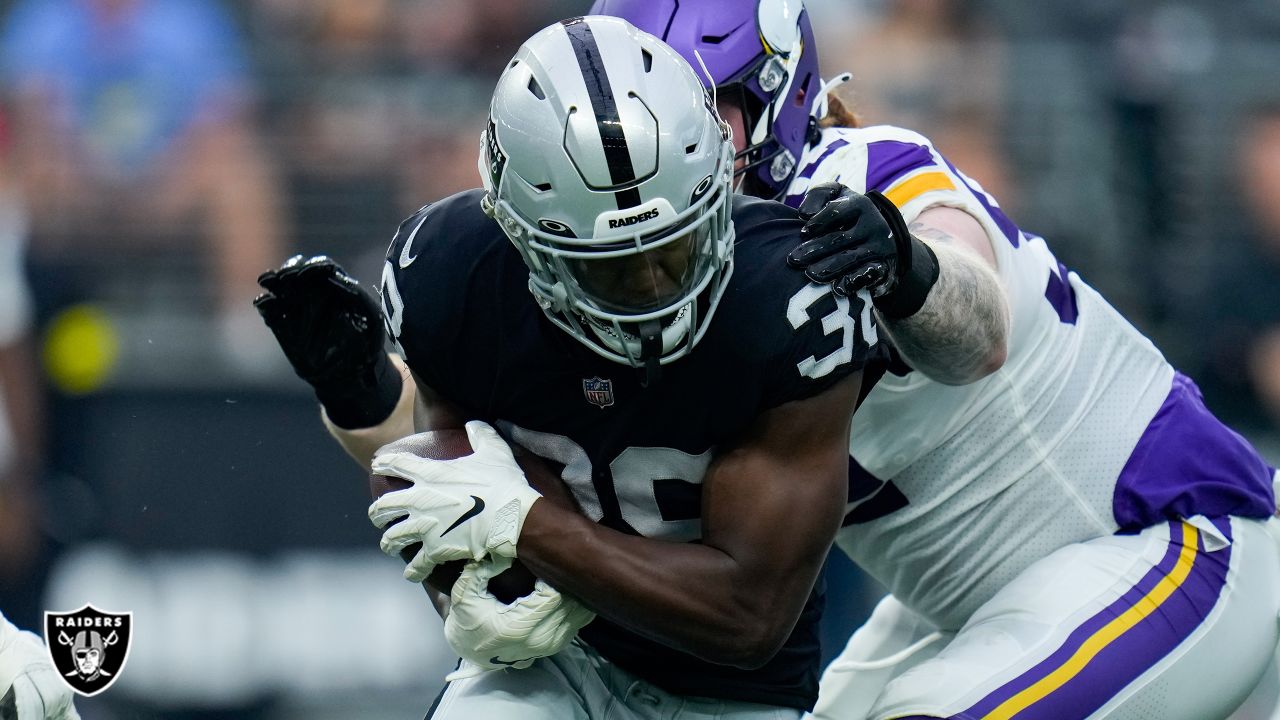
{"x":856,"y":242}
{"x":331,"y":331}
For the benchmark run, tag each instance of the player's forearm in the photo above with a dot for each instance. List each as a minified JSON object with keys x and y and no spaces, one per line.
{"x":771,"y":505}
{"x":362,"y":443}
{"x":694,"y":598}
{"x":961,"y":332}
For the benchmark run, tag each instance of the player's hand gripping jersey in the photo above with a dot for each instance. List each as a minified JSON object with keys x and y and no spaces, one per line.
{"x":1072,"y":536}
{"x":1085,"y":430}
{"x":456,"y":299}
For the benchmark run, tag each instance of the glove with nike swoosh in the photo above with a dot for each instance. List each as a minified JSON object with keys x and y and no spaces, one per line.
{"x":492,"y":635}
{"x":30,"y":688}
{"x":461,"y":509}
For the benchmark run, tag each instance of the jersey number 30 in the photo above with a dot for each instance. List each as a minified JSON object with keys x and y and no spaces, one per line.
{"x":838,"y":320}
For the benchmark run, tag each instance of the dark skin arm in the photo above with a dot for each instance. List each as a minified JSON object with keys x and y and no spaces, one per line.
{"x":771,"y":507}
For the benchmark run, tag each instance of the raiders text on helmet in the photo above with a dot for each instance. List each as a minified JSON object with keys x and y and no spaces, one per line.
{"x":610,"y":172}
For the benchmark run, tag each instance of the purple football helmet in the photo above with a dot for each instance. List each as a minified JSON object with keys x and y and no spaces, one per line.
{"x":761,"y":56}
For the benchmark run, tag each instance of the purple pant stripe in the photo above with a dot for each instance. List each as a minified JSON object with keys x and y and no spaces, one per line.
{"x":1130,"y":654}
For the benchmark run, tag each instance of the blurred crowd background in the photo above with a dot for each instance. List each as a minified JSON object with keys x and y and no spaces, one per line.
{"x":157,"y":455}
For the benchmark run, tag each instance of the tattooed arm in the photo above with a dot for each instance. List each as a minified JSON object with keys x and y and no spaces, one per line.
{"x":934,"y":284}
{"x":961,"y":332}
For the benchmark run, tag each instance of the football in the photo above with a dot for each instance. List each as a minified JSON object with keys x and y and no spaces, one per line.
{"x":516,"y":581}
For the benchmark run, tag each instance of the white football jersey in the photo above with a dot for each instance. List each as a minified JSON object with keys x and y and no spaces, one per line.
{"x":956,"y":490}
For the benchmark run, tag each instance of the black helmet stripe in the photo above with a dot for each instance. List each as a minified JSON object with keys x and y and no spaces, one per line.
{"x":612,"y":138}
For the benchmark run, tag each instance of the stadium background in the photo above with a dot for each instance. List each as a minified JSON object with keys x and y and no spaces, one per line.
{"x":157,"y":455}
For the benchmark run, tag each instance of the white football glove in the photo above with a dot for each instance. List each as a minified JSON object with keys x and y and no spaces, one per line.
{"x":462,"y":509}
{"x":30,"y":688}
{"x":491,"y":635}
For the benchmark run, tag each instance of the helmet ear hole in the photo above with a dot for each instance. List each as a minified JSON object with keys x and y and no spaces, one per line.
{"x":803,"y":93}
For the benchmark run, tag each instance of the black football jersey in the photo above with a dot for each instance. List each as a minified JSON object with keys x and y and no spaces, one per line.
{"x":456,"y":299}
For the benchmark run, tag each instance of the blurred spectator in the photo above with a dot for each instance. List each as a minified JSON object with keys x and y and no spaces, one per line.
{"x":134,"y":134}
{"x":378,"y":106}
{"x":928,"y":66}
{"x":1243,"y":315}
{"x":477,"y":37}
{"x":337,"y":119}
{"x":20,"y":413}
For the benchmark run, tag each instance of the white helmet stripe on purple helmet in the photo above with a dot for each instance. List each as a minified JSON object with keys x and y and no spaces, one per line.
{"x":761,"y":53}
{"x":779,"y":22}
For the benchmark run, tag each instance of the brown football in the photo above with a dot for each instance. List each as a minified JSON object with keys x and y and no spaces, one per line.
{"x":517,"y":581}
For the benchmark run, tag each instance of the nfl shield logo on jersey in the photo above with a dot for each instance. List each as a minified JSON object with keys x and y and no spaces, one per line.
{"x":88,"y":646}
{"x":599,"y":391}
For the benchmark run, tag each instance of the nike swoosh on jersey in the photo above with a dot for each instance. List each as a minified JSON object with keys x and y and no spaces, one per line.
{"x":475,"y":510}
{"x":405,"y":260}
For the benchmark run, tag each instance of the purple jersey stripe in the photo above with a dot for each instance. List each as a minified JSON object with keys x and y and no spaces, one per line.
{"x":1134,"y":651}
{"x":811,"y":168}
{"x":1188,"y":463}
{"x":888,"y":160}
{"x":1002,"y":221}
{"x":1061,"y":295}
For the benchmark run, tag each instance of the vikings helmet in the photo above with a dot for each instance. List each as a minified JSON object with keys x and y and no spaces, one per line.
{"x":761,"y":56}
{"x":607,"y":166}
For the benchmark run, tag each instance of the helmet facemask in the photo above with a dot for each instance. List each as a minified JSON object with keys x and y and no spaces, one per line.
{"x":630,"y":262}
{"x":612,"y":292}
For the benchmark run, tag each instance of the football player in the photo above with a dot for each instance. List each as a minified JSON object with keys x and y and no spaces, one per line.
{"x":607,"y":303}
{"x":1065,"y":530}
{"x":30,"y":688}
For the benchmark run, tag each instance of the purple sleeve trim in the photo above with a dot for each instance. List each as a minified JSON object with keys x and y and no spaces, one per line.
{"x":888,"y":160}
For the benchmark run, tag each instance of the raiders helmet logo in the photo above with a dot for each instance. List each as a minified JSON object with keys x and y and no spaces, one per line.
{"x":555,"y":227}
{"x":700,"y":189}
{"x":495,"y":158}
{"x":89,"y":647}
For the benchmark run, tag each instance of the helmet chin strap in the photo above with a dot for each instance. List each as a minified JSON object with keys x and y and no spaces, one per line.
{"x":651,"y":351}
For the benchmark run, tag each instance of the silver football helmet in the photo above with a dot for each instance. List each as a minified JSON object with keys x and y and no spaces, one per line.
{"x":607,"y":166}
